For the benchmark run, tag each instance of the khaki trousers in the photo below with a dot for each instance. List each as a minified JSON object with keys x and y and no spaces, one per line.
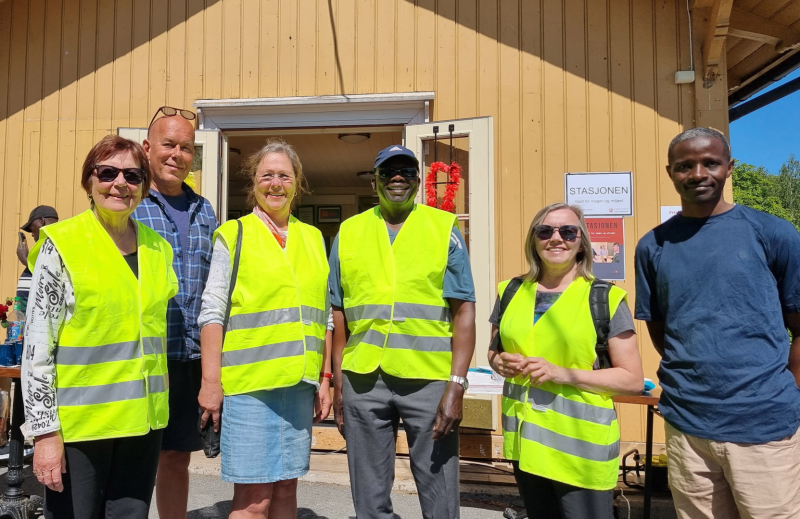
{"x":711,"y":479}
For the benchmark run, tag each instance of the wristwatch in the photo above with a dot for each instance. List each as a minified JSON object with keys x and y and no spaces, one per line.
{"x":460,"y":380}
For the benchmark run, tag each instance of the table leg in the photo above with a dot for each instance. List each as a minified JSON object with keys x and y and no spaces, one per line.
{"x":14,"y":504}
{"x":648,"y":462}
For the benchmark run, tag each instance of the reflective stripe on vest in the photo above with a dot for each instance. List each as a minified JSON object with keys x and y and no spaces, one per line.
{"x":542,"y":399}
{"x":393,"y":302}
{"x":114,"y":333}
{"x":276,"y":331}
{"x":559,"y":432}
{"x":579,"y":448}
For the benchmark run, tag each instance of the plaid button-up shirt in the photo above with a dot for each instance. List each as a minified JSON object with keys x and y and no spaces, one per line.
{"x":191,"y":267}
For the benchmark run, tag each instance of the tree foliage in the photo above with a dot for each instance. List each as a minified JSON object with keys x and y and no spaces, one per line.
{"x":778,"y":195}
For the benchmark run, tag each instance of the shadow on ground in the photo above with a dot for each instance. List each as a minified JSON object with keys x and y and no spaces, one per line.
{"x":223,"y":508}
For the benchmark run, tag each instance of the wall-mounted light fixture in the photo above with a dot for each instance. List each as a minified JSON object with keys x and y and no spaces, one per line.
{"x":354,"y":138}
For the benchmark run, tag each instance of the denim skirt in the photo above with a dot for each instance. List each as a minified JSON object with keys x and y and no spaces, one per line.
{"x":266,"y":435}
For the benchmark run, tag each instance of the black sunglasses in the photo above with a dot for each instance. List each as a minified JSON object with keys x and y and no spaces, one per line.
{"x":170,"y":111}
{"x":406,"y":173}
{"x":567,"y":232}
{"x":107,"y":173}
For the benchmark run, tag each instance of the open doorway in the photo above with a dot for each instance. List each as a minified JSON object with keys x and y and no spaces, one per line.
{"x":337,"y":163}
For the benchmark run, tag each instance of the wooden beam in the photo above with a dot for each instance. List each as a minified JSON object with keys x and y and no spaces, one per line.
{"x":754,"y":36}
{"x":717,"y":26}
{"x":752,"y":27}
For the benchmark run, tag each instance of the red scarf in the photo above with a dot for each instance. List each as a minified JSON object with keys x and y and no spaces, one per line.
{"x":277,"y":233}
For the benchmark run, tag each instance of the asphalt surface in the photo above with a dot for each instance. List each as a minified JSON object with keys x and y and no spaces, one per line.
{"x":209,"y":498}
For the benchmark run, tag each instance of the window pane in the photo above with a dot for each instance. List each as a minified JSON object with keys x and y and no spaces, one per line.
{"x":460,"y":154}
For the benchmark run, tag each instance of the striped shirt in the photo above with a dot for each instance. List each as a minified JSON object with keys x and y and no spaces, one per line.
{"x":191,"y":266}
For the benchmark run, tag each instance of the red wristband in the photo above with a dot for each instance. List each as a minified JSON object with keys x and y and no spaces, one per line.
{"x":327,"y":375}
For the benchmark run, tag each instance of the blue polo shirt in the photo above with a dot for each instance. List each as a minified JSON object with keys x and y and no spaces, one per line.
{"x":721,"y":286}
{"x":457,"y":278}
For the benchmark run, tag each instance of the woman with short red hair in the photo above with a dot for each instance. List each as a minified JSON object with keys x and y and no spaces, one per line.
{"x":94,"y":371}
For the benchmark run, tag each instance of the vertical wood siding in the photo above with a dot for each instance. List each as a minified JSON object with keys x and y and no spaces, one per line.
{"x":573,"y":85}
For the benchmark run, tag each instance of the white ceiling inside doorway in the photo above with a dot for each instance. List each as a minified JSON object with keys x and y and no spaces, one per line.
{"x":327,"y":160}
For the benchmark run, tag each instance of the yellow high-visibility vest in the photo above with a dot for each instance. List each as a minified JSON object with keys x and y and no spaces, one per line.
{"x":279,"y":311}
{"x":111,"y":361}
{"x":393,"y":302}
{"x":557,"y":431}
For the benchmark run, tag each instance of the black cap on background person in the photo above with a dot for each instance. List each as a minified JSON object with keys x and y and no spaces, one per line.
{"x":39,"y":217}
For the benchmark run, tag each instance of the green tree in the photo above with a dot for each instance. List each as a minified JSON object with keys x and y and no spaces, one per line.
{"x":755,"y":187}
{"x":787,"y":189}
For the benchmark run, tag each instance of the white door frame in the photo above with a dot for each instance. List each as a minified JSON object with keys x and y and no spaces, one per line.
{"x":481,"y":237}
{"x":292,"y":113}
{"x":314,"y":112}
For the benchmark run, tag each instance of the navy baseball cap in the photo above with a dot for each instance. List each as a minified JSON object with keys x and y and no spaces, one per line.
{"x":394,"y":150}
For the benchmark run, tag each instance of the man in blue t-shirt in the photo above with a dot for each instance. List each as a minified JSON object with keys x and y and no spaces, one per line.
{"x":368,"y":406}
{"x":718,"y":285}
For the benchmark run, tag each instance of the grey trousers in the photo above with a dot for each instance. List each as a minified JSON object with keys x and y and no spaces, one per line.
{"x":373,"y":406}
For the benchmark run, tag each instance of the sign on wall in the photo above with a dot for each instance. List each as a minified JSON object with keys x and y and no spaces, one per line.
{"x":668,"y":211}
{"x":600,"y":194}
{"x":608,"y":247}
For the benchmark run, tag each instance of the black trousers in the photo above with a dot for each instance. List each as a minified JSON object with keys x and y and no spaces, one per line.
{"x":548,"y":499}
{"x":108,"y":479}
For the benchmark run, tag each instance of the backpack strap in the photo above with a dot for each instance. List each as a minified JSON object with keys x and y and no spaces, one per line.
{"x":508,"y":295}
{"x":234,"y":274}
{"x":601,"y":317}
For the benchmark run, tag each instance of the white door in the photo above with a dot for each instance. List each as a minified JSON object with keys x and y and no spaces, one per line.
{"x":473,"y":148}
{"x":207,"y":165}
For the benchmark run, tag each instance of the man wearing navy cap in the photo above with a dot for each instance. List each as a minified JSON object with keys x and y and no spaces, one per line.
{"x":404,"y":334}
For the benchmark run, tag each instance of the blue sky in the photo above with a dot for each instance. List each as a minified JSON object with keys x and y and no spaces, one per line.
{"x":767,"y":136}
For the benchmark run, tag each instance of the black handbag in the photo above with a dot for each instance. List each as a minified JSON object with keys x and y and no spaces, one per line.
{"x":209,"y":435}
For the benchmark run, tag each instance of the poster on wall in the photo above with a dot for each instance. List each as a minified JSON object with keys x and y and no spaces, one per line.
{"x":608,"y":247}
{"x":600,"y":194}
{"x":668,"y":211}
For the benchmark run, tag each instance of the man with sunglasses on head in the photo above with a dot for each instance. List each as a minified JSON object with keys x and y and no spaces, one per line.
{"x":187,"y":221}
{"x":718,"y":285}
{"x":404,"y":334}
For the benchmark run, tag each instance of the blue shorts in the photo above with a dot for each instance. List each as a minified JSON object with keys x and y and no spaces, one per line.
{"x":266,"y":435}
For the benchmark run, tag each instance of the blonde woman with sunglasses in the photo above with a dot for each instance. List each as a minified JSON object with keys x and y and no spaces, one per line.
{"x":559,"y":424}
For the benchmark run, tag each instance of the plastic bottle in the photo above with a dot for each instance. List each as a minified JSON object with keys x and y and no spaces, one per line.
{"x":16,"y":323}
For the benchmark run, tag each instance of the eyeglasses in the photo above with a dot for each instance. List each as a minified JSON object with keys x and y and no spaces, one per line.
{"x":406,"y":173}
{"x":170,"y":111}
{"x":567,"y":232}
{"x":270,"y":177}
{"x":107,"y":173}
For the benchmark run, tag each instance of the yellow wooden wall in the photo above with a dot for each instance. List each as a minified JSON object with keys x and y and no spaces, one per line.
{"x":573,"y":85}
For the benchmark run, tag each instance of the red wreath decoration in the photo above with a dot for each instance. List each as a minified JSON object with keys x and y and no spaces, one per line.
{"x":453,"y":172}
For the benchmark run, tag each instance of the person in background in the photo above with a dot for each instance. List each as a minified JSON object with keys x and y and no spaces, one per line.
{"x":401,"y":288}
{"x":617,"y":258}
{"x":718,"y":285}
{"x":273,"y":369}
{"x":559,"y":424}
{"x":187,"y":221}
{"x":94,"y":373}
{"x":39,"y":217}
